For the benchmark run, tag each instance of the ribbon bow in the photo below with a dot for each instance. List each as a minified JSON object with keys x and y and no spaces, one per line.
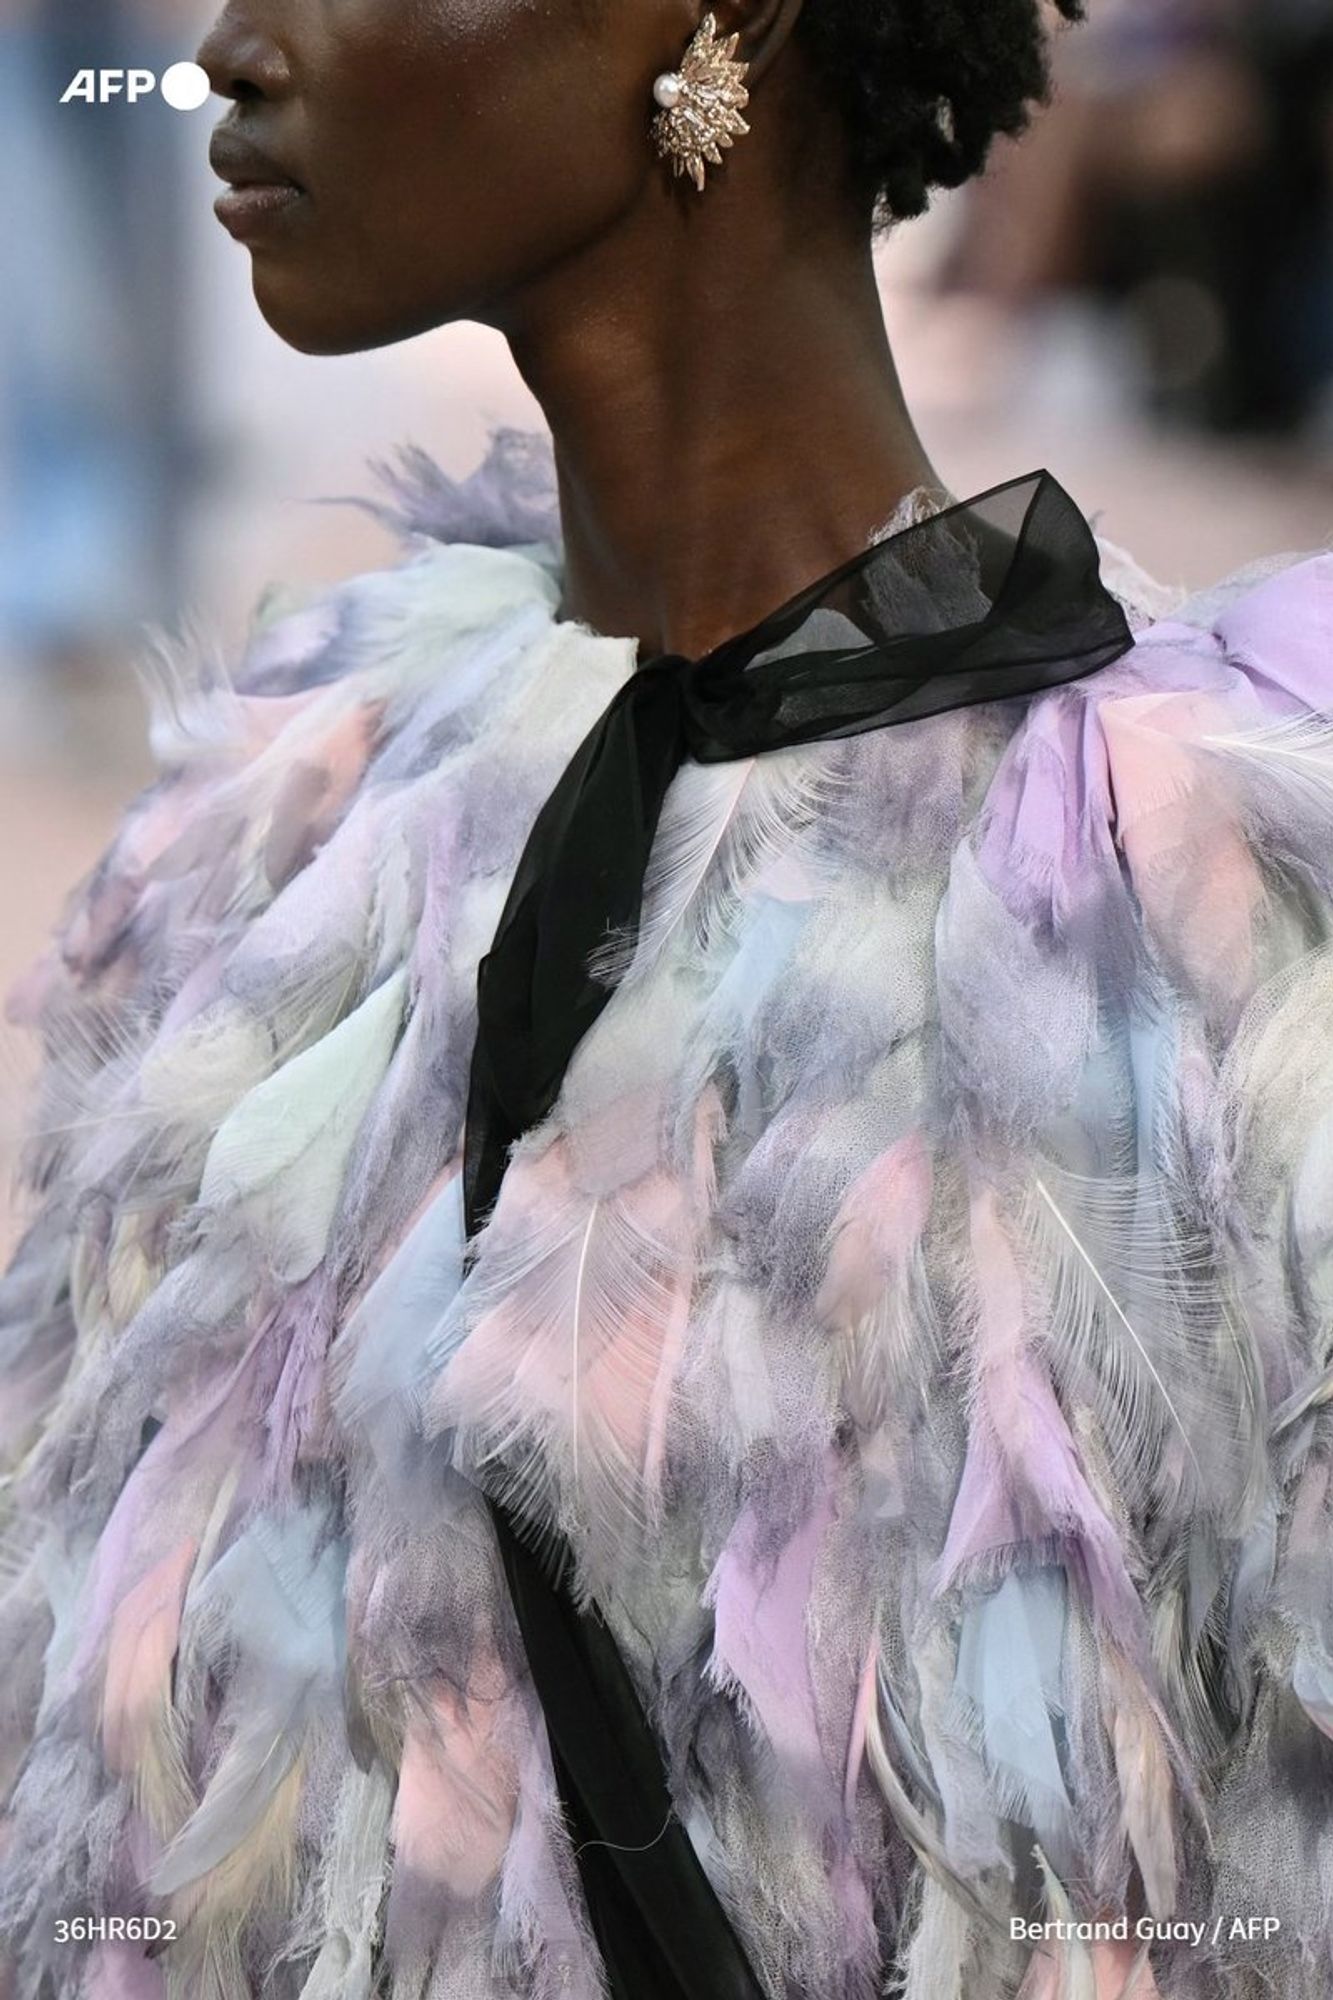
{"x":830,"y":663}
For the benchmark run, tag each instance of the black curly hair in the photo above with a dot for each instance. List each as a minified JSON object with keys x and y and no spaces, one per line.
{"x":927,"y":86}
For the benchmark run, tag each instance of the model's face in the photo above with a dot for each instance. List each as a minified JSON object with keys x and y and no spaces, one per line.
{"x":443,"y":152}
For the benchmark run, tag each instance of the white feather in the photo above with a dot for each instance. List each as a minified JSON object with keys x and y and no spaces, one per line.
{"x":1297,"y":751}
{"x":721,"y":826}
{"x":281,"y":1155}
{"x":1136,"y":1342}
{"x":354,"y":1868}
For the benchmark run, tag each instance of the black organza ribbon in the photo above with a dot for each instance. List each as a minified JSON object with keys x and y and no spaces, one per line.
{"x":996,"y":598}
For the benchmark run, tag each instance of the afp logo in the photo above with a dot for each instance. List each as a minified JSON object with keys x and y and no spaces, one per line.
{"x":184,"y":86}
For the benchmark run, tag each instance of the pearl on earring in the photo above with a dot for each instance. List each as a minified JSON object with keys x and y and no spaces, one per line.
{"x":669,"y":90}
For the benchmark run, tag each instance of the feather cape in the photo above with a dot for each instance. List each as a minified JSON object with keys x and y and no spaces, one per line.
{"x":917,"y":1312}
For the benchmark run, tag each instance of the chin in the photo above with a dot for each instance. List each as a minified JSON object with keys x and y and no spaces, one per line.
{"x":316,"y":322}
{"x":307,"y":333}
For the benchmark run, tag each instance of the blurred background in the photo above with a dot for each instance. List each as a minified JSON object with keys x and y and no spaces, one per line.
{"x":1139,"y":296}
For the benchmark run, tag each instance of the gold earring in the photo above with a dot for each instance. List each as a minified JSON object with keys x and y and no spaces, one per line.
{"x":701,"y":104}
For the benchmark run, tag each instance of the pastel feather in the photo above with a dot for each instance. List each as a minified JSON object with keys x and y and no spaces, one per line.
{"x":140,"y":1733}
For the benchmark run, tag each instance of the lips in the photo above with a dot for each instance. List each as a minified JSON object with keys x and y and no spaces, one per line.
{"x":260,"y":188}
{"x":238,"y":161}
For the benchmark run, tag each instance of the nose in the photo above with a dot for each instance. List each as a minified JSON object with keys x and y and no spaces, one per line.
{"x":242,"y":61}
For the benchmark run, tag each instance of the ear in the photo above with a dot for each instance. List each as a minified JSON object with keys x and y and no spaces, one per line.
{"x":765,"y":28}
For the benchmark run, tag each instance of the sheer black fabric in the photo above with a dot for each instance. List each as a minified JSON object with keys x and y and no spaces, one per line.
{"x":998,"y":597}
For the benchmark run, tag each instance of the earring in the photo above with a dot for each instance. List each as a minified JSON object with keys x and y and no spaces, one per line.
{"x":701,"y":104}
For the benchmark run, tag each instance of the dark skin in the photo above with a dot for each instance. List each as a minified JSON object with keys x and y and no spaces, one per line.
{"x":491,"y":160}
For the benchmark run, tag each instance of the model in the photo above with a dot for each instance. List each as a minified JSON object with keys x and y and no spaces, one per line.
{"x":674,"y":1340}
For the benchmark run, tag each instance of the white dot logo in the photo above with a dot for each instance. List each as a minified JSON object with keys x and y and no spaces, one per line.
{"x":185,"y":86}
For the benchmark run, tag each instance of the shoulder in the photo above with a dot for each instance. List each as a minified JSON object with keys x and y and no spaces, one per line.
{"x":1267,"y":624}
{"x":1176,"y":809}
{"x":1235,"y":684}
{"x":1255,"y":651}
{"x":263,"y":757}
{"x":476,"y":552}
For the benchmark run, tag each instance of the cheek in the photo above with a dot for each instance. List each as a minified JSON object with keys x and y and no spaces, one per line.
{"x":452,"y":159}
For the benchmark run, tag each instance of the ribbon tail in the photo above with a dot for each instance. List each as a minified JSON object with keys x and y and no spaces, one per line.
{"x":661,"y":1929}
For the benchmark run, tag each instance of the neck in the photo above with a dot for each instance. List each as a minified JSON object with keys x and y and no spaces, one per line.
{"x":728,"y":426}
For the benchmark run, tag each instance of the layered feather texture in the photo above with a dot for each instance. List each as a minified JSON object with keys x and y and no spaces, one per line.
{"x":915,"y":1311}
